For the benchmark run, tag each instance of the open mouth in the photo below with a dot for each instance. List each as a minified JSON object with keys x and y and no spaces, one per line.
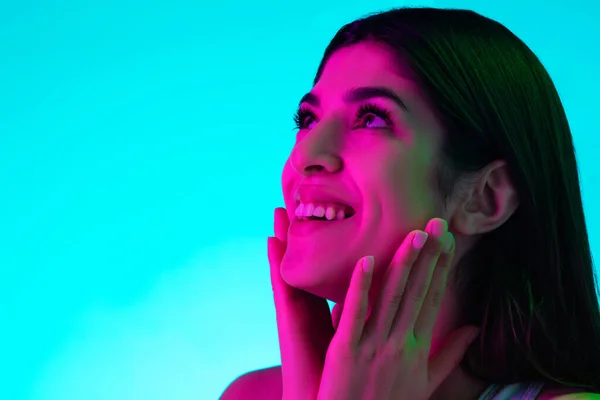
{"x":323,"y":211}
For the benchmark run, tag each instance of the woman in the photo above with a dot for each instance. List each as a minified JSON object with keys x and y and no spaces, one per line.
{"x":424,"y":115}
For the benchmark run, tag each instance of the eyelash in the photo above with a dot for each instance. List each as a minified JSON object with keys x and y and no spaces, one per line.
{"x":367,"y":108}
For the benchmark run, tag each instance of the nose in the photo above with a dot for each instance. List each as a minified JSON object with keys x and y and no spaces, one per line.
{"x":316,"y":153}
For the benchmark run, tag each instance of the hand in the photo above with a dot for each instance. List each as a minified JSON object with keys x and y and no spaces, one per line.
{"x":388,"y":356}
{"x":304,"y":324}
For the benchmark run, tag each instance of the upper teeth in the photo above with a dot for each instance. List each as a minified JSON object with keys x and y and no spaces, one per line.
{"x":328,"y":210}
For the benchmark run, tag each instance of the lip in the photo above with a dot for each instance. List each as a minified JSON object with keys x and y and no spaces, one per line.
{"x":322,"y":194}
{"x":306,"y":230}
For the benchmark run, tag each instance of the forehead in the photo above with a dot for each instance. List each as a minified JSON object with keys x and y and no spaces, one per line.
{"x":366,"y":64}
{"x":372,"y":64}
{"x":363,"y":64}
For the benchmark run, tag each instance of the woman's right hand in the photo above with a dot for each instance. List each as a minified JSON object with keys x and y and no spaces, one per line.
{"x":304,"y":324}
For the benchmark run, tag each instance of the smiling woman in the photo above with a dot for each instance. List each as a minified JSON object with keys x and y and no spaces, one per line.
{"x":443,"y":127}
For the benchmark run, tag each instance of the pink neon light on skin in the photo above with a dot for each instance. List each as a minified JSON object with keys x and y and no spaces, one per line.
{"x":382,"y":171}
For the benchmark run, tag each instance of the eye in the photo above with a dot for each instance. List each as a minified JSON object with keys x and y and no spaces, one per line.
{"x":371,"y":109}
{"x":303,"y":116}
{"x":300,"y":117}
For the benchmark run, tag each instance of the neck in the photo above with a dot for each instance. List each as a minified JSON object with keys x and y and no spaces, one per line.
{"x":459,"y":386}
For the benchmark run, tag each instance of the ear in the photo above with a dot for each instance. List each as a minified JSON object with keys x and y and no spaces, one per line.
{"x":488,"y":202}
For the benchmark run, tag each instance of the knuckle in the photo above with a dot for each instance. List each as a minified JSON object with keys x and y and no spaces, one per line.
{"x":432,"y":251}
{"x":422,"y":288}
{"x":416,"y":297}
{"x":436,"y":298}
{"x":369,"y":353}
{"x":394,"y":348}
{"x":396,"y":298}
{"x":362,"y":311}
{"x":418,"y":293}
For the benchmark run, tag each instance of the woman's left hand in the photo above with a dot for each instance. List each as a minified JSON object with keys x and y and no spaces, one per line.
{"x":388,"y":357}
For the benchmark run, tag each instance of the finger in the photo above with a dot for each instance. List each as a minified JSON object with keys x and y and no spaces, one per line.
{"x":431,"y":304}
{"x":303,"y":327}
{"x":419,"y":279}
{"x":386,"y":306}
{"x":356,"y":304}
{"x":295,"y":309}
{"x":275,"y":251}
{"x":277,"y":247}
{"x":281,"y":224}
{"x":451,"y":354}
{"x":336,"y":313}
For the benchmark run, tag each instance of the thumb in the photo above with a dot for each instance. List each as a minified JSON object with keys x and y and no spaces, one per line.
{"x":304,"y":329}
{"x":451,"y":354}
{"x":281,"y":290}
{"x":276,"y":249}
{"x":307,"y":313}
{"x":302,"y":318}
{"x":275,"y":252}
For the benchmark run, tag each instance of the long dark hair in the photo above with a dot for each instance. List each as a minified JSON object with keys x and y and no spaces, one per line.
{"x":529,"y":284}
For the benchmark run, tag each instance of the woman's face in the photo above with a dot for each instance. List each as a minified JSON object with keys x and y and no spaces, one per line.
{"x":374,"y":168}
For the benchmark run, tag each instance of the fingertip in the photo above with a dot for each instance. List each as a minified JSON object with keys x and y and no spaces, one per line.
{"x":272,"y":246}
{"x":367,"y":264}
{"x":363,"y":273}
{"x":448,"y":243}
{"x":404,"y":247}
{"x":280,"y":212}
{"x":269,"y":246}
{"x":281,"y":224}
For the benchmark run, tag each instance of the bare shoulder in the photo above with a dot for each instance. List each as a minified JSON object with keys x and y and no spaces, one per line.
{"x":567,"y":394}
{"x":261,"y":384}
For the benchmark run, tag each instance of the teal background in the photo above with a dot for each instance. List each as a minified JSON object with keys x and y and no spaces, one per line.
{"x":141,"y":144}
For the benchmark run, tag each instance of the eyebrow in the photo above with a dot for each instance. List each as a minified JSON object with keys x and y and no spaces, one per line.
{"x":357,"y":94}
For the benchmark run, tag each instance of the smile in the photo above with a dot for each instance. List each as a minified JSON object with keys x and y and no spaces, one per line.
{"x":321,"y":211}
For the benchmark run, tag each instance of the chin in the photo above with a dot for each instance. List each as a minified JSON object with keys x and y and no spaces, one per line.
{"x":328,"y":279}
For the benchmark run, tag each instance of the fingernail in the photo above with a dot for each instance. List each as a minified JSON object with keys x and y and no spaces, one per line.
{"x":429,"y":226}
{"x":448,"y":240}
{"x":419,"y":239}
{"x":367,"y":264}
{"x":439,"y":228}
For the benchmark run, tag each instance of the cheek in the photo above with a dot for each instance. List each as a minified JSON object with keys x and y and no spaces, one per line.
{"x":287,"y":180}
{"x":406,"y":198}
{"x":414,"y":180}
